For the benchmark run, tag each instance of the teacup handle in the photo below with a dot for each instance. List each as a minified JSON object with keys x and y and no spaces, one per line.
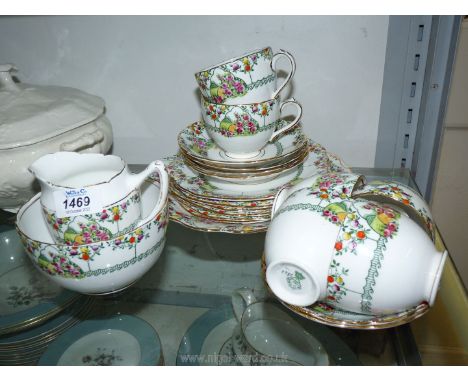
{"x":290,"y":125}
{"x":241,"y":298}
{"x":276,"y":57}
{"x":157,"y":166}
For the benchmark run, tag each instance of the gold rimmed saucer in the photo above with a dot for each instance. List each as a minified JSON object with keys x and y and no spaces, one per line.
{"x":325,"y":314}
{"x":195,"y":142}
{"x":248,"y":174}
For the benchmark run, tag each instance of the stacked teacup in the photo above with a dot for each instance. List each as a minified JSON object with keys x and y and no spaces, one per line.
{"x":240,"y":104}
{"x":242,"y":141}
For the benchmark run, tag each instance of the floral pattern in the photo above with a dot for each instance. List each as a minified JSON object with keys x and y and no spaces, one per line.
{"x":91,"y":228}
{"x":78,"y":261}
{"x":225,"y":82}
{"x":195,"y":142}
{"x":239,"y":120}
{"x":360,"y":222}
{"x":403,"y":195}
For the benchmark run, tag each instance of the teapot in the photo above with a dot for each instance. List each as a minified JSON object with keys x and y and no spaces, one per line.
{"x":87,"y":198}
{"x":327,"y":243}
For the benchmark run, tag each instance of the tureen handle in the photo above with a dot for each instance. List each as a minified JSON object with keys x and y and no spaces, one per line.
{"x":6,"y":80}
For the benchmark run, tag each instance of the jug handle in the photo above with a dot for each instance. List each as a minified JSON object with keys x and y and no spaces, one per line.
{"x":241,"y":298}
{"x":156,"y":166}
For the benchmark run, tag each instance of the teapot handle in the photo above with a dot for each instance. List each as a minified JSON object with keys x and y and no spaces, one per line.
{"x":6,"y":80}
{"x":241,"y":298}
{"x":279,"y":199}
{"x":156,"y":166}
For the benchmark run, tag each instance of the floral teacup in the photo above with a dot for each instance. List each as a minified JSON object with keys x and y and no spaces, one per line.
{"x":242,"y":130}
{"x":245,"y":79}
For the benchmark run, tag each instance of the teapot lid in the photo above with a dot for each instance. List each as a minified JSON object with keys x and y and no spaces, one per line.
{"x":30,"y":114}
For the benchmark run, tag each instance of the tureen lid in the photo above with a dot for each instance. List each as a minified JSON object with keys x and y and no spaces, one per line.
{"x":30,"y":114}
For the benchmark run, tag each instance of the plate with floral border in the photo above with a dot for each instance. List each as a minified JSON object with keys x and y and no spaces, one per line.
{"x":318,"y":161}
{"x":180,"y":215}
{"x":120,"y":340}
{"x":26,"y":297}
{"x":195,"y":142}
{"x":328,"y":315}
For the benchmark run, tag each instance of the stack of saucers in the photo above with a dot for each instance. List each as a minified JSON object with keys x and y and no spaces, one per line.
{"x":233,"y":161}
{"x":26,"y":347}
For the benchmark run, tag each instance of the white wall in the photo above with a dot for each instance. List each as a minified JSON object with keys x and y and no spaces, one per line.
{"x":143,"y":68}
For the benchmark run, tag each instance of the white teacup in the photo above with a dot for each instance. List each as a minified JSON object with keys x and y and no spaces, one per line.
{"x":266,"y":335}
{"x":243,"y":130}
{"x":245,"y":79}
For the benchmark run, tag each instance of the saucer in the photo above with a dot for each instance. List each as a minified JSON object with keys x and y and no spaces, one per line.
{"x":121,"y":340}
{"x":274,"y":334}
{"x":208,"y":341}
{"x":195,"y":142}
{"x":27,"y":297}
{"x":188,"y":180}
{"x":25,"y":347}
{"x":325,"y":314}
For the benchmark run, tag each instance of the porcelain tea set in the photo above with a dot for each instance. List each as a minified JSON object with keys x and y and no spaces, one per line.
{"x":338,"y":250}
{"x":233,"y":161}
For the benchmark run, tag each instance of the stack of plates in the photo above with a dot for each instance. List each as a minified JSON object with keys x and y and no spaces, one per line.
{"x":212,"y":192}
{"x":27,"y":298}
{"x":33,"y":309}
{"x":26,"y":347}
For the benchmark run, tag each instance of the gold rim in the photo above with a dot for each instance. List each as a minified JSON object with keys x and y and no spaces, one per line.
{"x":224,"y":174}
{"x":213,"y":162}
{"x":218,"y":218}
{"x":215,"y":198}
{"x":383,"y":322}
{"x":251,"y":169}
{"x":226,"y":206}
{"x":245,"y":230}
